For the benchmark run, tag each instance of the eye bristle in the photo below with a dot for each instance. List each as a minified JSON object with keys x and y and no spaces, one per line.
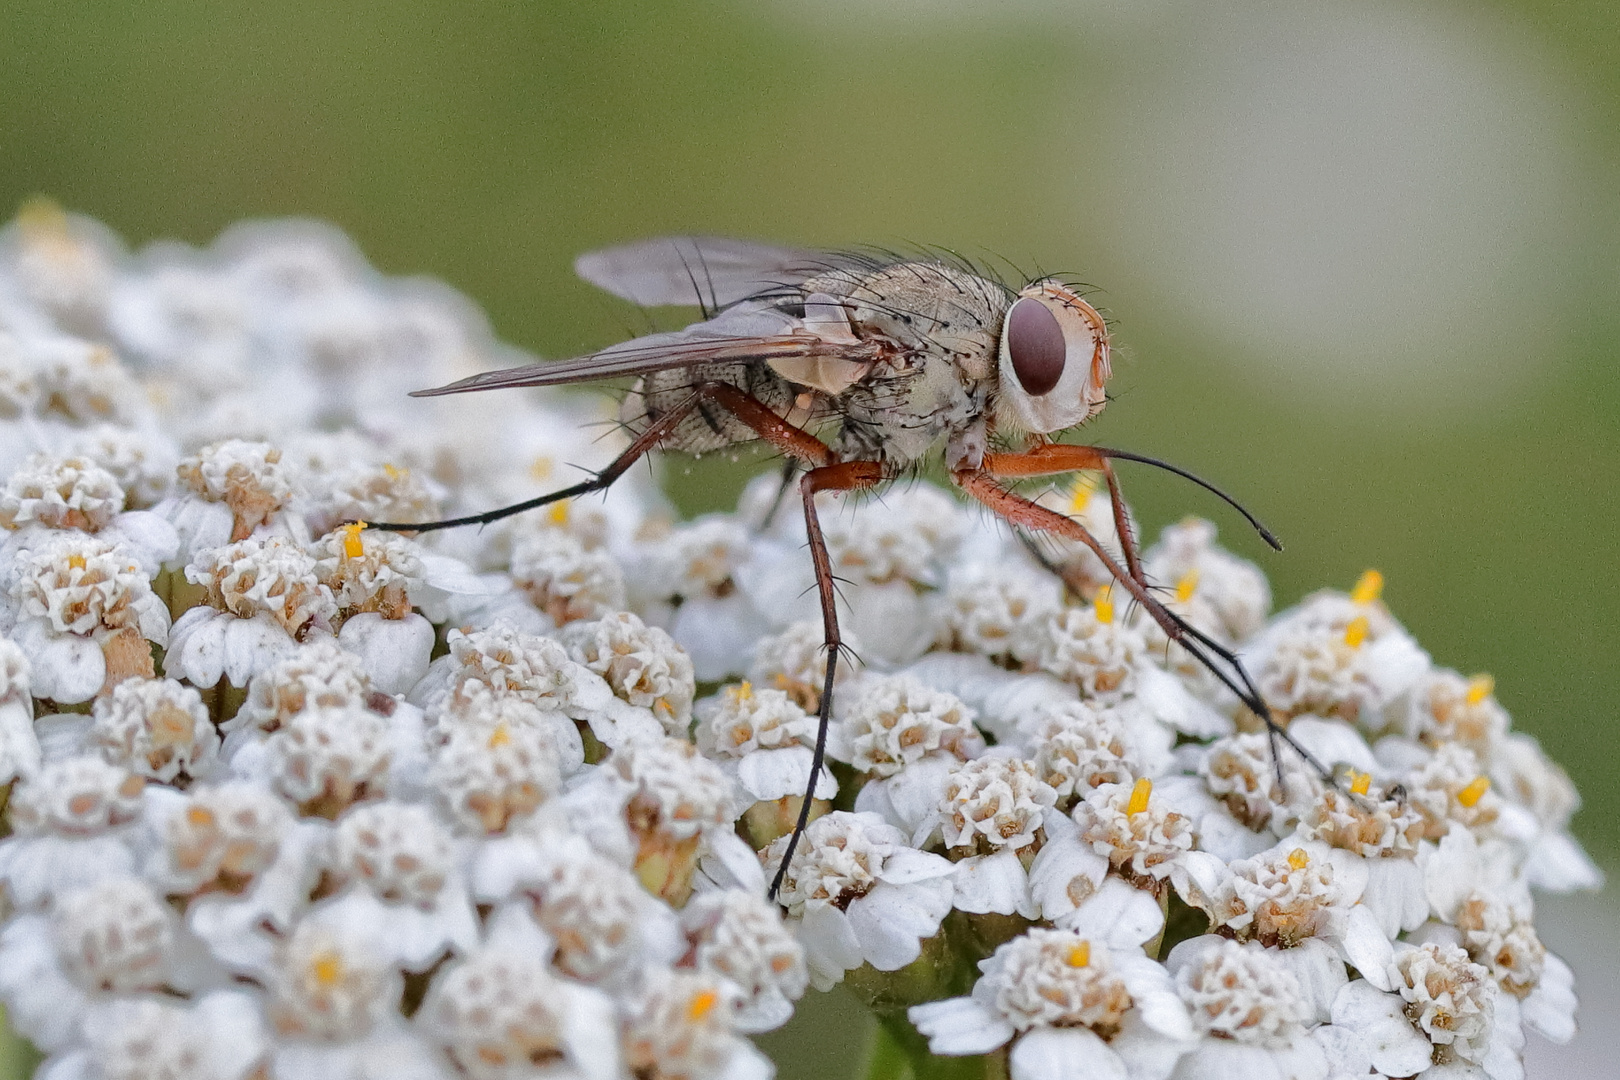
{"x":1035,"y":344}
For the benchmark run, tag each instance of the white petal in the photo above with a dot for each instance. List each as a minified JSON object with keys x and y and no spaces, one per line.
{"x":1550,"y":1007}
{"x":959,"y":1026}
{"x":1346,"y":1054}
{"x":1062,"y":870}
{"x":1559,"y":864}
{"x":906,"y":865}
{"x":37,"y":869}
{"x":66,"y":667}
{"x":1320,"y":972}
{"x":830,"y":945}
{"x":769,"y":775}
{"x":1351,"y":873}
{"x":1365,"y":948}
{"x":719,"y":635}
{"x":1169,"y":701}
{"x":1046,"y":1053}
{"x":891,"y":619}
{"x":1393,"y":663}
{"x":1222,"y":1059}
{"x":1393,"y":1045}
{"x":1189,"y":951}
{"x":1158,"y":1005}
{"x":20,"y":752}
{"x":252,"y":645}
{"x":873,"y":798}
{"x":1395,"y":894}
{"x":993,"y":883}
{"x":395,"y":652}
{"x":41,"y":1001}
{"x":1122,"y":916}
{"x":1504,"y":1047}
{"x":891,"y":921}
{"x":1198,"y":877}
{"x":1147,"y":1053}
{"x":730,"y":863}
{"x":915,"y":791}
{"x":747,"y":1063}
{"x":1227,"y":838}
{"x":147,"y":536}
{"x":1333,"y":742}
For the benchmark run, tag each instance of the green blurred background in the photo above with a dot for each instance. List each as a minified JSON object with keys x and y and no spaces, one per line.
{"x":1362,"y":258}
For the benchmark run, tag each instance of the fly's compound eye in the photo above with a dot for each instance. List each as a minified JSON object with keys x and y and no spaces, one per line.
{"x":1033,"y":343}
{"x":1054,"y":360}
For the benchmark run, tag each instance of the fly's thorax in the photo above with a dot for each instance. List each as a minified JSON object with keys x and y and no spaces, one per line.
{"x":937,"y":380}
{"x":925,"y":308}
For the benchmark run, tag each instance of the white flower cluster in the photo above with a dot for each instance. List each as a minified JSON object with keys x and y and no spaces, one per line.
{"x":292,"y":797}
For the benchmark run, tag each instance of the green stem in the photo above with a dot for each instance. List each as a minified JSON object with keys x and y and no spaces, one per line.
{"x":901,"y":1051}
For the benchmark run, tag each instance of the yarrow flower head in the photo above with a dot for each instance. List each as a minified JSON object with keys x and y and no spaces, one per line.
{"x":60,"y":493}
{"x":86,"y":616}
{"x":293,"y":795}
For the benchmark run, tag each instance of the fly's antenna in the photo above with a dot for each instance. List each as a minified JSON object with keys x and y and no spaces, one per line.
{"x":1265,"y":534}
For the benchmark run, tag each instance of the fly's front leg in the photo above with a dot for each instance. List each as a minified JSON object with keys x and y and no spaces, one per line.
{"x":843,"y":476}
{"x":982,"y":485}
{"x":1056,"y":458}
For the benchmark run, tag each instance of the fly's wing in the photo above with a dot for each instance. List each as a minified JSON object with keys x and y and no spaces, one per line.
{"x":744,"y":334}
{"x":706,"y":271}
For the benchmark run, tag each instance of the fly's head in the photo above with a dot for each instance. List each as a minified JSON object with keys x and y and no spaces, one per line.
{"x":1053,"y":360}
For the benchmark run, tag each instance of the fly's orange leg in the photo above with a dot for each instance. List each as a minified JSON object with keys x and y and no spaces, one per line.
{"x":842,"y":476}
{"x":982,"y":485}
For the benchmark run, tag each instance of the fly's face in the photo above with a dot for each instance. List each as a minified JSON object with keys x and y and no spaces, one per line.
{"x":1053,"y":360}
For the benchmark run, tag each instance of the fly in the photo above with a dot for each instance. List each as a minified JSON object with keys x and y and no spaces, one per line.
{"x":894,"y":360}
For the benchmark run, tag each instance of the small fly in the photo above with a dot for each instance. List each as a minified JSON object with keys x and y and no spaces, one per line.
{"x":858,"y":368}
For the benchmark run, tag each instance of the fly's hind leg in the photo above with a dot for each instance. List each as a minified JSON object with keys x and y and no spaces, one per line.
{"x":772,"y":428}
{"x":843,"y":476}
{"x":825,"y":474}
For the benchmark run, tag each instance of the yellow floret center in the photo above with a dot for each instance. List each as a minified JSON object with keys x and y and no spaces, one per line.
{"x":1079,"y":954}
{"x":501,"y":736}
{"x":1369,"y":586}
{"x":327,"y":968}
{"x":1298,"y":859}
{"x":352,"y":547}
{"x":1140,"y":793}
{"x":1356,"y":632}
{"x":1085,"y":486}
{"x":1475,"y":791}
{"x":1480,"y":687}
{"x":1104,"y":604}
{"x":1187,"y":585}
{"x":558,"y":514}
{"x":702,"y":1003}
{"x":1360,"y":782}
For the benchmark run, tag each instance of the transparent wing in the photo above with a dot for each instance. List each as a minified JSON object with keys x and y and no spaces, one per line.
{"x":707,"y":271}
{"x":745,"y":334}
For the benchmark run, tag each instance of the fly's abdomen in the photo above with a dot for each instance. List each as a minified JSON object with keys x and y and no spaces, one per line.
{"x":709,"y":426}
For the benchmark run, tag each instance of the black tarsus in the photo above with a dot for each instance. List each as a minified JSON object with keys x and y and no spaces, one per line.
{"x":1247,"y":692}
{"x":1265,"y":534}
{"x":817,"y":758}
{"x":584,"y":487}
